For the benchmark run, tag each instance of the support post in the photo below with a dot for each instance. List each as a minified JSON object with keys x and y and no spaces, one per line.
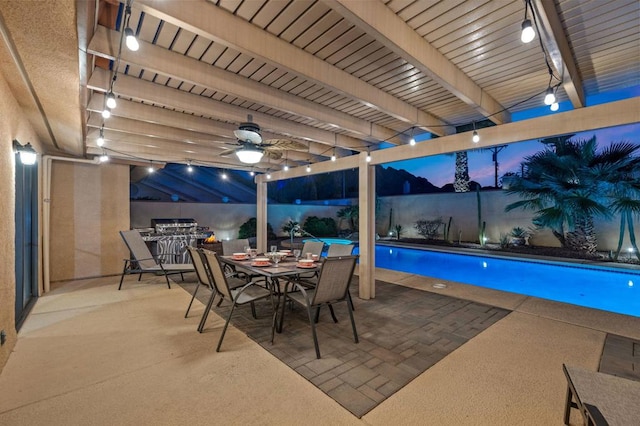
{"x":367,"y":227}
{"x":261,"y":216}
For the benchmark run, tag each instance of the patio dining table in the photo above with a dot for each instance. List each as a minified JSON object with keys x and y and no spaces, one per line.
{"x":287,"y":267}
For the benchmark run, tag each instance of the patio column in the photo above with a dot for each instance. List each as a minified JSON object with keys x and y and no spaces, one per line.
{"x":367,"y":227}
{"x":261,"y":215}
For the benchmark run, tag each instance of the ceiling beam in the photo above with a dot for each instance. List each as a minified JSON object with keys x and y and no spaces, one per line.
{"x":142,"y":90}
{"x":555,"y":39}
{"x":377,"y":20}
{"x":578,"y":120}
{"x":212,"y":129}
{"x":122,"y":130}
{"x":175,"y":65}
{"x":215,"y":23}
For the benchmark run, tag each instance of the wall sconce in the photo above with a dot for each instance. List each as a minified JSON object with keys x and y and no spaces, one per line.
{"x":27,"y":154}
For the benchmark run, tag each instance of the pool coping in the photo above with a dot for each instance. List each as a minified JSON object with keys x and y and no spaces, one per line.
{"x":591,"y":318}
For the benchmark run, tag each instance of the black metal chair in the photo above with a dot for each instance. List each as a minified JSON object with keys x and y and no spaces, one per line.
{"x":332,"y":287}
{"x":246,"y":293}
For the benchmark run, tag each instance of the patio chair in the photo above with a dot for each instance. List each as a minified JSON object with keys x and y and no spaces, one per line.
{"x":235,"y":246}
{"x":340,"y":250}
{"x":201,"y":273}
{"x":313,"y":247}
{"x":142,"y":261}
{"x":332,"y":287}
{"x":247,"y":293}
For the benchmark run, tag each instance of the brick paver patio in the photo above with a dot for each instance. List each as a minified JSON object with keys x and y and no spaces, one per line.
{"x":402,"y":333}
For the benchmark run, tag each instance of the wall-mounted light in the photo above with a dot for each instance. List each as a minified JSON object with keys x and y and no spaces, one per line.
{"x":27,"y":154}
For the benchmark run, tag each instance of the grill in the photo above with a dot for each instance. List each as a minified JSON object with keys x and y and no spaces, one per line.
{"x":173,"y":226}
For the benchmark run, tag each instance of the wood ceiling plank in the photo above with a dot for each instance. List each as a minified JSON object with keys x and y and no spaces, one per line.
{"x":304,"y":22}
{"x":161,"y":95}
{"x":268,"y":12}
{"x":375,"y":18}
{"x":290,"y":14}
{"x":340,"y":28}
{"x":320,"y":27}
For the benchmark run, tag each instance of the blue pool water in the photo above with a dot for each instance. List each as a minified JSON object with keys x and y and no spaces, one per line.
{"x":329,"y":241}
{"x":600,"y":288}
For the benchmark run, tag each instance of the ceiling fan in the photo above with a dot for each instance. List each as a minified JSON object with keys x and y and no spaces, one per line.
{"x":251,"y":147}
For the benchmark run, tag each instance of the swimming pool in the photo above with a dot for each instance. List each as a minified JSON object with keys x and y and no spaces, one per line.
{"x":594,"y":287}
{"x":329,"y":241}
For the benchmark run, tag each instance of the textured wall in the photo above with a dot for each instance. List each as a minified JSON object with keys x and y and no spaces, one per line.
{"x":89,"y":205}
{"x":13,"y":125}
{"x":224,"y":219}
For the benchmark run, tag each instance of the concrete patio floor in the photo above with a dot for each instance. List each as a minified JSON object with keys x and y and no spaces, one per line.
{"x":89,"y":354}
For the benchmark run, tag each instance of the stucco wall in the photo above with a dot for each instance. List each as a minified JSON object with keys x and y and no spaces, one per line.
{"x":89,"y":205}
{"x":13,"y":125}
{"x":225,"y":219}
{"x":463,"y":208}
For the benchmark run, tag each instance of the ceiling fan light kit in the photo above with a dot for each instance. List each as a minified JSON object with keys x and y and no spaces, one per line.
{"x":249,"y":155}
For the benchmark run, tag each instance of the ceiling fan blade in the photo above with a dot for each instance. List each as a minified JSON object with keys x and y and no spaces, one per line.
{"x":274,"y":155}
{"x":284,"y":145}
{"x":227,"y":152}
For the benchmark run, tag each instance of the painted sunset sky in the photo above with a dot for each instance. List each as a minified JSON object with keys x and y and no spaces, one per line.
{"x":439,"y":169}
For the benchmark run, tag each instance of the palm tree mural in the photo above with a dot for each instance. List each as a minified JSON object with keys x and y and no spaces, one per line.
{"x":570,"y":182}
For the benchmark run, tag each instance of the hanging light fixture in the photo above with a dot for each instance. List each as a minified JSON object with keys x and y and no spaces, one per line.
{"x":130,"y":38}
{"x":151,"y":169}
{"x":412,"y":140}
{"x":252,"y":173}
{"x":549,"y":97}
{"x":189,"y":167}
{"x":475,"y":137}
{"x":104,"y":157}
{"x":27,"y":154}
{"x":249,"y":154}
{"x":224,"y":176}
{"x":368,"y":159}
{"x":335,"y":142}
{"x":308,"y":169}
{"x":555,"y":106}
{"x":527,"y":34}
{"x":268,"y":175}
{"x":106,"y":113}
{"x":111,"y":100}
{"x":100,"y":140}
